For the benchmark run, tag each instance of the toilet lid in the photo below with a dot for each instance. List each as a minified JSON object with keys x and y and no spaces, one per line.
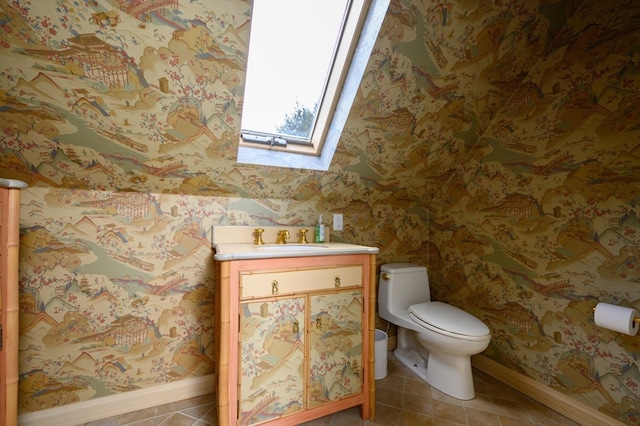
{"x":449,"y":318}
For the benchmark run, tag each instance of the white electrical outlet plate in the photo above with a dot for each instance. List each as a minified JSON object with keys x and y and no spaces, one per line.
{"x":337,"y":222}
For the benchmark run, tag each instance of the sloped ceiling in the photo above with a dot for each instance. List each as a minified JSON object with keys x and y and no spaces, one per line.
{"x":148,"y":98}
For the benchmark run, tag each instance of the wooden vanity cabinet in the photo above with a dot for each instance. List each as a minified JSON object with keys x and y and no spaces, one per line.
{"x":294,"y":338}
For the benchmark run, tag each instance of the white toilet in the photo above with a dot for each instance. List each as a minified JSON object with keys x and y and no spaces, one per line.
{"x":435,"y":340}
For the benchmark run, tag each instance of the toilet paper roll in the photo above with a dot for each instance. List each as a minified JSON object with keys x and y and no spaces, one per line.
{"x":616,"y":318}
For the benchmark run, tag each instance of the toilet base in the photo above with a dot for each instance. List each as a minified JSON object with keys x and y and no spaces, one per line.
{"x":450,"y":374}
{"x":411,"y":363}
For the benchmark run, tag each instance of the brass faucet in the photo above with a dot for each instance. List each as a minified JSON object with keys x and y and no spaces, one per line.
{"x":303,"y":236}
{"x":283,"y":236}
{"x":258,"y":233}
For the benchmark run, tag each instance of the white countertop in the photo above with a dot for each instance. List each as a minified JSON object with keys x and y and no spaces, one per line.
{"x":237,"y":242}
{"x":237,"y":251}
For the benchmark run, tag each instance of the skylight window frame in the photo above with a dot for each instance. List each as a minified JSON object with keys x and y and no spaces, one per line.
{"x":376,"y":14}
{"x":346,"y":44}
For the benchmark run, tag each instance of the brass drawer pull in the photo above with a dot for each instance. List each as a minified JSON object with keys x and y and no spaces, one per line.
{"x":338,"y":283}
{"x":296,"y":327}
{"x":274,"y":287}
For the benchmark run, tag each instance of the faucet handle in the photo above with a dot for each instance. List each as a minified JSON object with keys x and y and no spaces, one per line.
{"x":258,"y":233}
{"x":282,"y":237}
{"x":303,"y":236}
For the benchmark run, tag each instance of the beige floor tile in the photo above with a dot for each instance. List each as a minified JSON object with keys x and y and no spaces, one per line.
{"x":389,"y":396}
{"x":388,"y":416}
{"x":187,"y":403}
{"x":154,"y":421}
{"x":484,"y":377}
{"x":481,"y":402}
{"x":511,"y":408}
{"x":395,"y":367}
{"x":210,"y":417}
{"x":393,"y":381}
{"x":447,"y":411}
{"x":178,"y":419}
{"x":503,"y":391}
{"x":418,"y":403}
{"x":480,"y":418}
{"x":402,"y":399}
{"x":410,"y":418}
{"x":443,"y":397}
{"x":199,"y":411}
{"x":442,"y":422}
{"x":413,"y":385}
{"x":510,"y":421}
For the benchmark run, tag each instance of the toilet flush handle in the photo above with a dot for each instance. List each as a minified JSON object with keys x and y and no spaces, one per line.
{"x":385,"y":276}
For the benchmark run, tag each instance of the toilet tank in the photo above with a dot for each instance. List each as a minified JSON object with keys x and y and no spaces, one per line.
{"x":400,"y":286}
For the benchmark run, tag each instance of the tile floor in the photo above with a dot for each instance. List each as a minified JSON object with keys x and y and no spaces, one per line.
{"x":401,"y":400}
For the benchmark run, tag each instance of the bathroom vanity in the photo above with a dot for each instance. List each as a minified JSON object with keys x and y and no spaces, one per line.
{"x":294,"y":328}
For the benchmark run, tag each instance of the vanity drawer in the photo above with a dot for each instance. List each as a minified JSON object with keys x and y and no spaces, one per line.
{"x":270,"y":283}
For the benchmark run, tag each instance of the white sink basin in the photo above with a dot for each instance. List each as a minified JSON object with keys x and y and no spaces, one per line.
{"x":232,"y":242}
{"x":291,"y":247}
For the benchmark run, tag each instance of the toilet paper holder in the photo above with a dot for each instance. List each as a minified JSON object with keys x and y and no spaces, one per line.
{"x":635,"y":319}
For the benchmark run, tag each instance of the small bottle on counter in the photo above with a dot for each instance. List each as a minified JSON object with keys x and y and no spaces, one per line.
{"x":320,"y":231}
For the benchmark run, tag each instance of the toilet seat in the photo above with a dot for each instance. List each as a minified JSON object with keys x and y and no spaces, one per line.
{"x":449,"y":320}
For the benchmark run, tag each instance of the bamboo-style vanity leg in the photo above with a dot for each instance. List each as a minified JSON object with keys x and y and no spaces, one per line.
{"x":222,"y":337}
{"x":9,"y":251}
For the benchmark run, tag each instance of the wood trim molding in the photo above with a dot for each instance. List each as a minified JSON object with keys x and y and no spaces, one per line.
{"x":545,"y":395}
{"x":123,"y":403}
{"x":9,"y":309}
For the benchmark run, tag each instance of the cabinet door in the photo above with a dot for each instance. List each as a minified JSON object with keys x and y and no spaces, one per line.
{"x":335,"y":339}
{"x":272,"y":363}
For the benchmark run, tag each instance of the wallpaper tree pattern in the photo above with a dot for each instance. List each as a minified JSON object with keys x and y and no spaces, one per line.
{"x":494,"y":141}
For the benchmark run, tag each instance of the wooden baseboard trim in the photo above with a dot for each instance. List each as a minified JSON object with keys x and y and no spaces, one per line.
{"x":109,"y":406}
{"x":545,"y":395}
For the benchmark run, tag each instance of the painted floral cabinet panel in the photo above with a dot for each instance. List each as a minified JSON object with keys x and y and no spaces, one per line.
{"x":272,"y":359}
{"x":336,"y":335}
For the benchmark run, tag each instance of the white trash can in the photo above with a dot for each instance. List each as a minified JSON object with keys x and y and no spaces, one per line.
{"x":381,"y":345}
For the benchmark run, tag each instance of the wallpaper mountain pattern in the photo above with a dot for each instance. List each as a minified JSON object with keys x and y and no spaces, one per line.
{"x":496,"y":142}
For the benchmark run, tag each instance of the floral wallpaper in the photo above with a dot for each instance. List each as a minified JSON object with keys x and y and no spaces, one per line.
{"x":495,"y":142}
{"x":540,"y":222}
